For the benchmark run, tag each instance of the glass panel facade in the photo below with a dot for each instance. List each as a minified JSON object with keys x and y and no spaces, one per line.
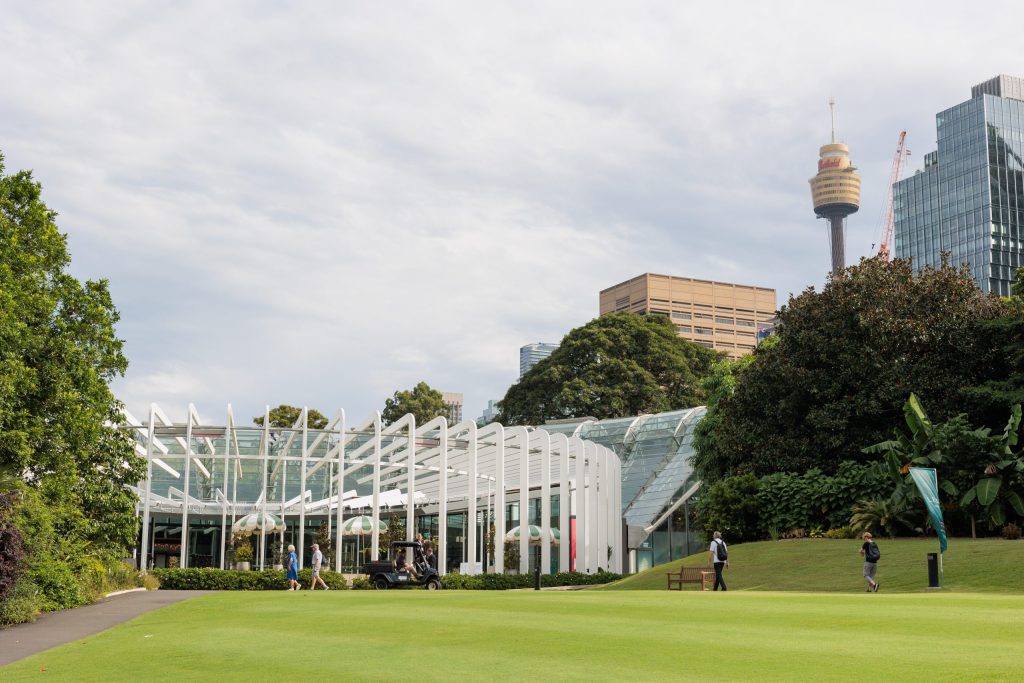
{"x":969,"y":199}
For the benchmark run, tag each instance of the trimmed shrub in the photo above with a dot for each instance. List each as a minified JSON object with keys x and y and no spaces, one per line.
{"x":1011,"y":532}
{"x":500,"y":582}
{"x":231,"y":580}
{"x":361,"y":583}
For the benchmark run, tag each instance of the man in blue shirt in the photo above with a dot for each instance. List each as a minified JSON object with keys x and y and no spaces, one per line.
{"x":293,"y":570}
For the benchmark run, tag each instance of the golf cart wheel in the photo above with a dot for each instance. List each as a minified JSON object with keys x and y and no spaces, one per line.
{"x":433,"y":585}
{"x":380,"y":583}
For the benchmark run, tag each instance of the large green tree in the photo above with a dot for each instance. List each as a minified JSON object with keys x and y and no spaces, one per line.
{"x":616,"y":365}
{"x":58,"y":353}
{"x":285,"y":416}
{"x":845,"y":361}
{"x":423,"y":402}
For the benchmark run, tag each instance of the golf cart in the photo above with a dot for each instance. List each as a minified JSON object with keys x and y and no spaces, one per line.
{"x":384,"y":574}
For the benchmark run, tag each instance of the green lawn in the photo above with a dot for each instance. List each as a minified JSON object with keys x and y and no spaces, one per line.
{"x":982,"y":565}
{"x":555,"y":636}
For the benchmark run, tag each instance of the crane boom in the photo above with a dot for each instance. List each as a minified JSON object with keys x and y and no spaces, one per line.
{"x":887,"y":221}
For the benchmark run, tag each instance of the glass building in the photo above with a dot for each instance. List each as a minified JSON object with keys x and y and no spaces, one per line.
{"x":657,"y":480}
{"x":531,"y":354}
{"x":969,"y":198}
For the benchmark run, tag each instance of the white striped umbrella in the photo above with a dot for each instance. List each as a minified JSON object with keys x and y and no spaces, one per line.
{"x":259,"y":522}
{"x":535,"y":535}
{"x":361,"y":526}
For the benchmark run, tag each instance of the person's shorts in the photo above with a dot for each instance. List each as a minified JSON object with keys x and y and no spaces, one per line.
{"x":316,"y":572}
{"x":293,"y":575}
{"x":870,"y":568}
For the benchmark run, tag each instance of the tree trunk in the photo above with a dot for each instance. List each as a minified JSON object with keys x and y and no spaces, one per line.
{"x":973,"y":533}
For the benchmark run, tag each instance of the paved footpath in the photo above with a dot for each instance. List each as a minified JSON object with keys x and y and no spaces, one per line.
{"x":56,"y":628}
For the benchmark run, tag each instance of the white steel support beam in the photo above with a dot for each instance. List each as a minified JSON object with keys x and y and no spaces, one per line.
{"x":602,"y":507}
{"x":144,"y":560}
{"x":442,"y":499}
{"x":410,"y":486}
{"x":522,"y":438}
{"x":582,"y":516}
{"x":375,"y":513}
{"x":341,"y":491}
{"x":497,"y":433}
{"x":560,"y":448}
{"x":545,"y":502}
{"x":471,"y":541}
{"x":302,"y":485}
{"x":593,"y":513}
{"x":184,"y":508}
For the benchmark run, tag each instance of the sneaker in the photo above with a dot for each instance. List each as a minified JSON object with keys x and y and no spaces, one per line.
{"x":327,"y":588}
{"x":875,"y":589}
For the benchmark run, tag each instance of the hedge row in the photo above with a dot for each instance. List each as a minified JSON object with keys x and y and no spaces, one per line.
{"x":501,"y":582}
{"x":230,"y":580}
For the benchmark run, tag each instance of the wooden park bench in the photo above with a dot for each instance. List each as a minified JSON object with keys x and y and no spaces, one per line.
{"x":705,"y":576}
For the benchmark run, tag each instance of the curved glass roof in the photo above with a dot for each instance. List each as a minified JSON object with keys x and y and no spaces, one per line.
{"x":655,"y":452}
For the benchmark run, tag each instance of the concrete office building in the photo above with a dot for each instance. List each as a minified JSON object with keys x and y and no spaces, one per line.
{"x":531,"y":354}
{"x":453,"y":400}
{"x":969,"y":198}
{"x":718,"y":315}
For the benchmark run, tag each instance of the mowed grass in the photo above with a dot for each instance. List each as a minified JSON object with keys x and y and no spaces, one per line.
{"x":557,"y":636}
{"x":982,"y":565}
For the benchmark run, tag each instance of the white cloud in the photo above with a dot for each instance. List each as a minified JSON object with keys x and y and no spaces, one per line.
{"x":323,"y":202}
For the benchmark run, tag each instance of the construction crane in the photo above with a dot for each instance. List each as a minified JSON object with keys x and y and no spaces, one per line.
{"x":887,"y":219}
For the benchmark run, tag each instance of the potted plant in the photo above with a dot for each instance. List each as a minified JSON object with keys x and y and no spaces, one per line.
{"x":243,"y":555}
{"x":277,"y":554}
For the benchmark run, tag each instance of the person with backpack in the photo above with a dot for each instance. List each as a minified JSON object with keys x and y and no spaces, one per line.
{"x":871,"y":555}
{"x":719,"y":556}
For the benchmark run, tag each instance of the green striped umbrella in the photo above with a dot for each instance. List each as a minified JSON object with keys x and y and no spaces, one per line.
{"x":535,"y":535}
{"x":259,"y":522}
{"x":361,"y":526}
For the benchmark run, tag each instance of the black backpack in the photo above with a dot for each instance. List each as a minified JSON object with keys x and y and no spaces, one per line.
{"x":721,"y":552}
{"x":873,"y":554}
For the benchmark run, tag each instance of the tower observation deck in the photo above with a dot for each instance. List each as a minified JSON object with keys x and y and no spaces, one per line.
{"x":835,"y":191}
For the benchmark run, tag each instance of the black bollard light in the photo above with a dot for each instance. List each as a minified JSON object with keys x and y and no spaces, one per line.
{"x":536,"y":579}
{"x":933,"y":570}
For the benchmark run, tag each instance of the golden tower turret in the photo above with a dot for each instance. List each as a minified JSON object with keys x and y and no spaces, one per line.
{"x":835,"y":191}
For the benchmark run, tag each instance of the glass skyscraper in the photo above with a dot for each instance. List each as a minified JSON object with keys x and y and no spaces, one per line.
{"x":531,"y":354}
{"x":969,"y":198}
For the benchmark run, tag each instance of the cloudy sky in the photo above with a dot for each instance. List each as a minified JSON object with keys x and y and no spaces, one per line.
{"x":320,"y":203}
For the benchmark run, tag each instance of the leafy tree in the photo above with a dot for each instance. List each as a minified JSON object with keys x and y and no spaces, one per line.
{"x":58,"y":353}
{"x":616,"y":365}
{"x":721,"y":383}
{"x":731,"y":506}
{"x":845,"y":361}
{"x":285,"y":416}
{"x":423,"y":402}
{"x":11,"y":546}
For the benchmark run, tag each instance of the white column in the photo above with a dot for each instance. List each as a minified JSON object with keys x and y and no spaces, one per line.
{"x":545,"y":502}
{"x":499,"y":499}
{"x":442,"y":498}
{"x":593,"y":514}
{"x":582,"y":516}
{"x":603,"y":507}
{"x":524,"y":498}
{"x":224,"y":528}
{"x":184,"y":503}
{"x":564,"y":499}
{"x":410,"y":486}
{"x":375,"y":512}
{"x":302,"y":485}
{"x":341,"y":491}
{"x":472,"y":484}
{"x":264,"y":462}
{"x":150,"y":435}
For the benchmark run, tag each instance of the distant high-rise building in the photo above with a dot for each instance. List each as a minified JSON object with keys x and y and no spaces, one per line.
{"x":717,"y":315}
{"x":969,"y":198}
{"x":490,"y":413}
{"x":835,"y":191}
{"x":454,"y":402}
{"x":531,"y":354}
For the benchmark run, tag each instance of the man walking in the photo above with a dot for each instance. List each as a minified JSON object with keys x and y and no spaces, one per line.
{"x":871,"y":555}
{"x":318,"y":559}
{"x":719,"y":556}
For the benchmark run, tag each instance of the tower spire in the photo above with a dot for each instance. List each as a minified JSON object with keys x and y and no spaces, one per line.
{"x":832,"y":112}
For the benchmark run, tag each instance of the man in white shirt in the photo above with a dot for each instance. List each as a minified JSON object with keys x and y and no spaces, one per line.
{"x":719,"y":564}
{"x":318,"y":559}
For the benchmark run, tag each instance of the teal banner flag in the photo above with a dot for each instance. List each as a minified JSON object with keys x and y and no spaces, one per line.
{"x":928,"y":484}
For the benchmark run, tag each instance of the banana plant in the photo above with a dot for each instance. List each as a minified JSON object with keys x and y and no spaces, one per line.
{"x":989,"y":491}
{"x":915,"y":449}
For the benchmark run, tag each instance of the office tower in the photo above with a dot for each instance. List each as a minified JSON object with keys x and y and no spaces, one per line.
{"x":531,"y":354}
{"x":718,"y":315}
{"x":968,"y":200}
